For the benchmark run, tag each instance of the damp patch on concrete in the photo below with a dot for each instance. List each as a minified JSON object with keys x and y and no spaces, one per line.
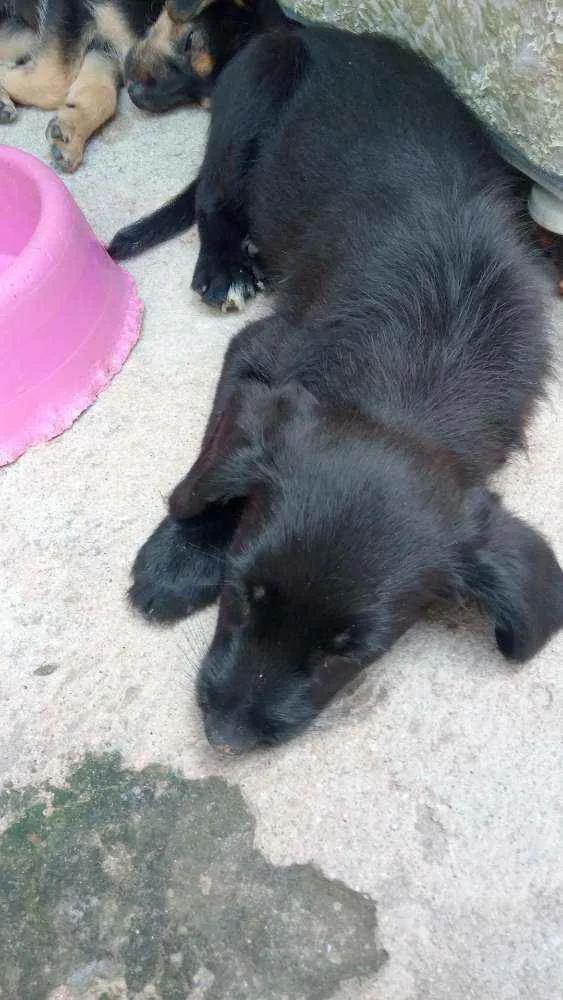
{"x":143,"y":885}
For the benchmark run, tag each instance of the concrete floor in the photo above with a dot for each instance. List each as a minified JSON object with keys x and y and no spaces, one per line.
{"x":435,"y":788}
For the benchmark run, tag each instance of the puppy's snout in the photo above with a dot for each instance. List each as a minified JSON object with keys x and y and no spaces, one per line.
{"x":139,"y":71}
{"x":227,"y":740}
{"x":138,"y":93}
{"x":224,"y":749}
{"x":139,"y":66}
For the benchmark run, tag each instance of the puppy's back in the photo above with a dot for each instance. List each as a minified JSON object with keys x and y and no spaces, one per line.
{"x":390,"y":223}
{"x":369,"y":125}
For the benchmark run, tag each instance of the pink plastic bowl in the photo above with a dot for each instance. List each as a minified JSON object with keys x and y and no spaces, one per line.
{"x":68,"y":314}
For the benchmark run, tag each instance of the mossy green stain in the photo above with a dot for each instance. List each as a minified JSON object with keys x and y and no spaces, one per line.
{"x":152,"y":878}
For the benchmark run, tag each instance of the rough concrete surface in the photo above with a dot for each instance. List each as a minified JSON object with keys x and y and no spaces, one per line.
{"x":434,"y":789}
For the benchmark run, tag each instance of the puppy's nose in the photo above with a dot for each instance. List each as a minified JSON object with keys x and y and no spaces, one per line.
{"x":135,"y":91}
{"x":231,"y":744}
{"x":140,"y":94}
{"x":232,"y":749}
{"x":225,"y":749}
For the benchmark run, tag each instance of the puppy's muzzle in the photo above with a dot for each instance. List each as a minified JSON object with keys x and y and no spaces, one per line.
{"x":144,"y":96}
{"x":229,"y":741}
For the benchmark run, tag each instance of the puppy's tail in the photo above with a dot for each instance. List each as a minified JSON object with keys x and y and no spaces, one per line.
{"x":173,"y":218}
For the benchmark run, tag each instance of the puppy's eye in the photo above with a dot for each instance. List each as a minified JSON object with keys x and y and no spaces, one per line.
{"x":341,"y":641}
{"x":189,"y":39}
{"x":257,"y":593}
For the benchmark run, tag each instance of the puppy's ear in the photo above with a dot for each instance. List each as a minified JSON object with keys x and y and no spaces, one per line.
{"x":330,"y":676}
{"x":225,"y":465}
{"x":516,"y":578}
{"x":240,"y":450}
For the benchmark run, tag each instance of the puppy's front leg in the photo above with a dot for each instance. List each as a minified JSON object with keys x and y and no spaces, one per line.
{"x":224,"y":275}
{"x":180,"y":567}
{"x":250,"y":357}
{"x":89,"y":104}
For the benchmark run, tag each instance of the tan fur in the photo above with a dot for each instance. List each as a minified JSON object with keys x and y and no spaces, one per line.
{"x":42,"y":83}
{"x":202,"y":64}
{"x":84,"y":91}
{"x":113,"y":26}
{"x":15,"y":45}
{"x":163,"y":33}
{"x":91,"y":101}
{"x":157,"y":45}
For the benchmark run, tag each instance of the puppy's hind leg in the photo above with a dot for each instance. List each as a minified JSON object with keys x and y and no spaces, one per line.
{"x":224,"y":276}
{"x":40,"y":83}
{"x":89,"y":104}
{"x":247,"y":104}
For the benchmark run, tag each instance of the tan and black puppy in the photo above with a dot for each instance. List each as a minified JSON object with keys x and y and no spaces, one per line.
{"x":67,"y":56}
{"x":71,"y":56}
{"x":188,"y":46}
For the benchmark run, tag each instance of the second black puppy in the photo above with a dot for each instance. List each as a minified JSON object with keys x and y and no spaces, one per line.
{"x":341,"y":484}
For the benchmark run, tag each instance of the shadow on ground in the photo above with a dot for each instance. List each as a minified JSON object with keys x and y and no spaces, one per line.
{"x":130,"y":885}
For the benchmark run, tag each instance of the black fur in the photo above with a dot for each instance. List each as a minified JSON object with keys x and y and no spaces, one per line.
{"x":173,"y":218}
{"x":353,"y":432}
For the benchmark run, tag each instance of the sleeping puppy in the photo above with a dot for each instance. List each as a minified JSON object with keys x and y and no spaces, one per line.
{"x":71,"y":56}
{"x":341,"y":487}
{"x":187,"y":48}
{"x":67,"y":56}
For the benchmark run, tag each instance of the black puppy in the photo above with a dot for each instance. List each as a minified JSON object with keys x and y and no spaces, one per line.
{"x":341,"y":484}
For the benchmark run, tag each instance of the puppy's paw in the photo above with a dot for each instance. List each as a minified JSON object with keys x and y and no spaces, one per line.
{"x":225,"y":285}
{"x":8,"y":110}
{"x":177,"y":571}
{"x":66,"y":144}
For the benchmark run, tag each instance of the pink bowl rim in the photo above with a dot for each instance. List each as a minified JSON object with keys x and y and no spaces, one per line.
{"x":53,"y":205}
{"x":48,"y":240}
